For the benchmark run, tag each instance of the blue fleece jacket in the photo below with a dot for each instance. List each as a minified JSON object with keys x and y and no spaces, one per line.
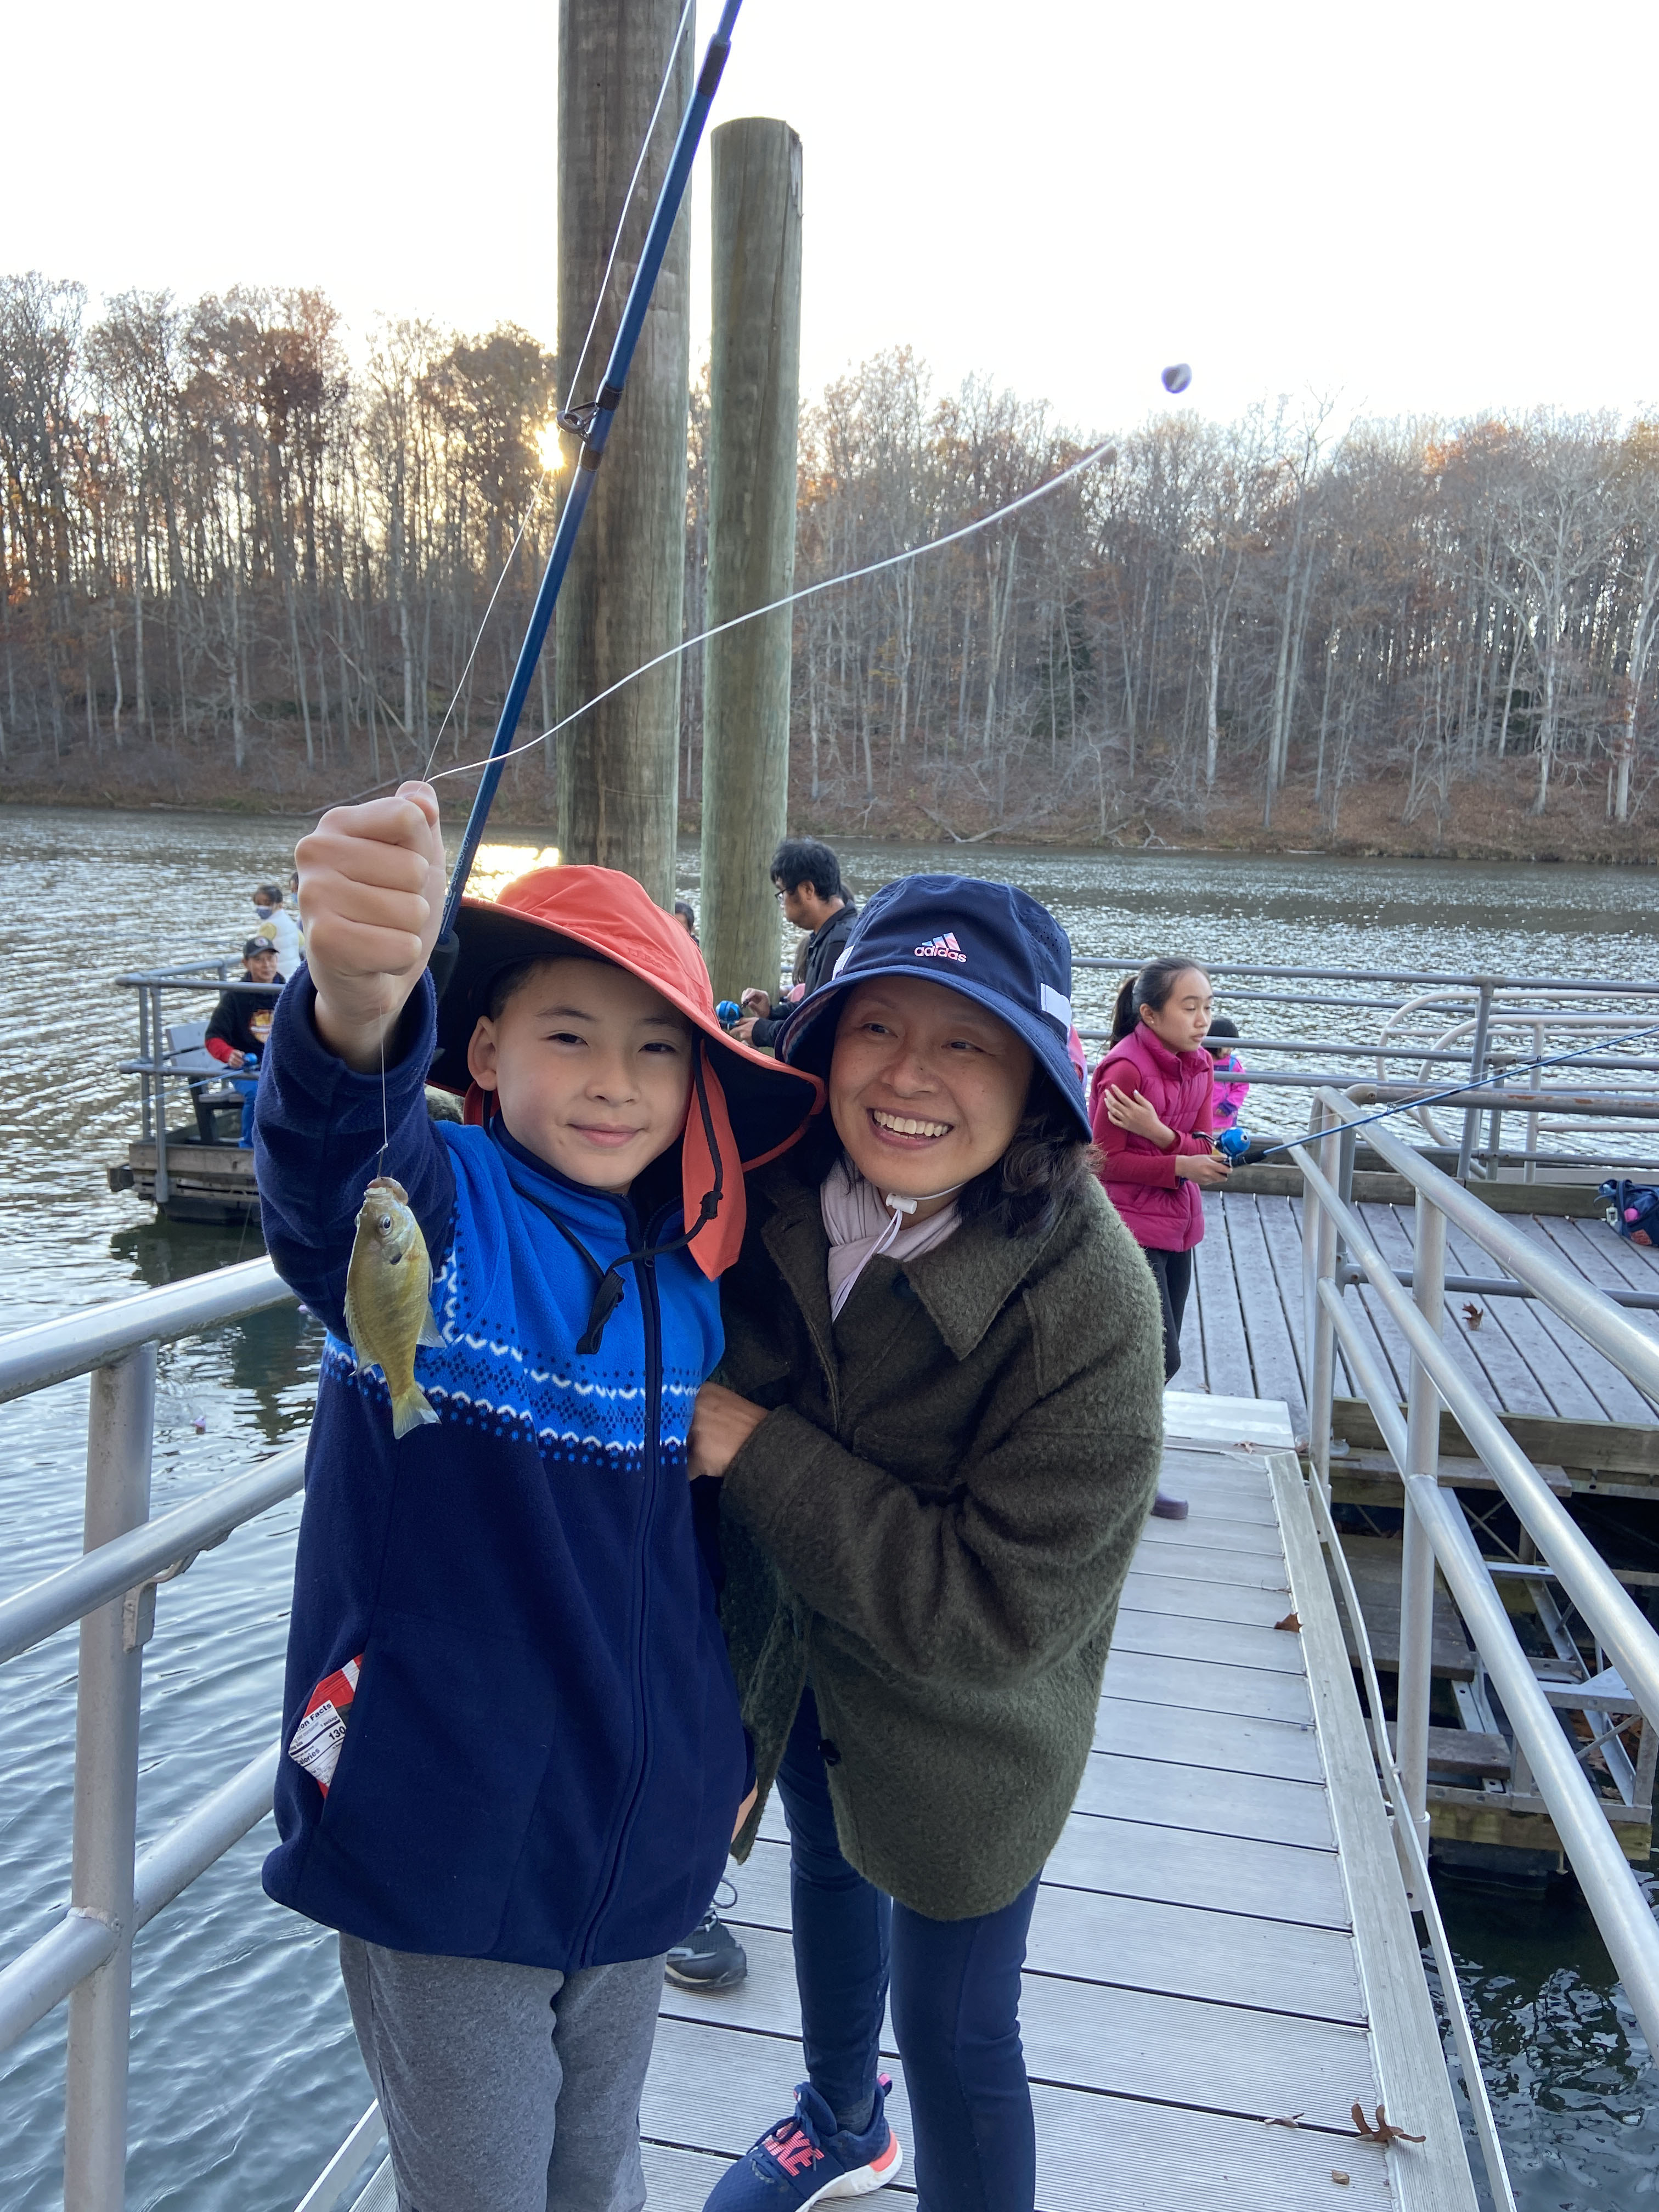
{"x":543,"y":1758}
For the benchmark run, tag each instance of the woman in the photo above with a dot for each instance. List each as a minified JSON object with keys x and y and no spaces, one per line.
{"x":938,"y":1441}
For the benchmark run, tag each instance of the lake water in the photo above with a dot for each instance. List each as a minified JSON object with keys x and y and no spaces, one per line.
{"x":245,"y":2075}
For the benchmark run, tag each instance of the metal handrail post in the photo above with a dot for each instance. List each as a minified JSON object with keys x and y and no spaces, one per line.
{"x":118,"y":1435}
{"x":1477,"y":1069}
{"x":1322,"y":1337}
{"x":1417,"y":1553}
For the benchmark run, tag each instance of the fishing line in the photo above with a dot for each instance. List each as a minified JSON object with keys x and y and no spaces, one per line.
{"x":1107,"y":452}
{"x":512,"y":555}
{"x":1458,"y":1090}
{"x":576,"y":377}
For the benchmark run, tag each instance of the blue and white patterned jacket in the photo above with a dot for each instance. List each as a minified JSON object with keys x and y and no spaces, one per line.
{"x":543,"y":1758}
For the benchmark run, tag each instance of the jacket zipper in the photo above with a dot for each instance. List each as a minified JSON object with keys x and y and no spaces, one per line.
{"x":645,"y":1274}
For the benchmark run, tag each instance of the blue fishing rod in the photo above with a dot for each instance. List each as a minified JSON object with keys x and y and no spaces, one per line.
{"x":1233,"y":1144}
{"x":591,"y":425}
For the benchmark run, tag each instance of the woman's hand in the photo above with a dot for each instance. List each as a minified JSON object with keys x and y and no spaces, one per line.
{"x":743,"y":1811}
{"x":721,"y":1425}
{"x":1127,"y":1109}
{"x":1208,"y":1169}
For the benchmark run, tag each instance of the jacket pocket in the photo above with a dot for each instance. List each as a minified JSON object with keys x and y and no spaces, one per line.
{"x":438,"y":1778}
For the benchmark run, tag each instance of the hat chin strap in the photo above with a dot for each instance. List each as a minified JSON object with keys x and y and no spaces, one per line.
{"x":903,"y":1206}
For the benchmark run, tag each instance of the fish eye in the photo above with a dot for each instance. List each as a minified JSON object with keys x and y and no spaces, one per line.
{"x":385,"y":1221}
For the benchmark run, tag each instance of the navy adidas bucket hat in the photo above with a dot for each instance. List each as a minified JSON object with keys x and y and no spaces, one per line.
{"x":994,"y":943}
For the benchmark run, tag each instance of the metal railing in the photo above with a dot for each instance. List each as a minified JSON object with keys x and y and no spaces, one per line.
{"x":1338,"y":1251}
{"x":111,"y":1591}
{"x":155,"y":1065}
{"x":1480,"y":1022}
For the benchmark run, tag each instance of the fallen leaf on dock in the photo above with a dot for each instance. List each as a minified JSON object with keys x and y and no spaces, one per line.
{"x":1291,"y":1621}
{"x":1338,"y":2175}
{"x":1473,"y":1314}
{"x":1288,"y":2120}
{"x":1385,"y":2130}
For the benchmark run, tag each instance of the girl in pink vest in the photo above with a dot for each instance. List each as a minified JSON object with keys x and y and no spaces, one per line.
{"x":1150,"y":1107}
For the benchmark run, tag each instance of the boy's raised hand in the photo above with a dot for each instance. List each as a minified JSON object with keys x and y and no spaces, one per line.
{"x":370,"y":897}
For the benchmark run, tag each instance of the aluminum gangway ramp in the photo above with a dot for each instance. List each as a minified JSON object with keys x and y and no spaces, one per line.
{"x":1222,"y":1961}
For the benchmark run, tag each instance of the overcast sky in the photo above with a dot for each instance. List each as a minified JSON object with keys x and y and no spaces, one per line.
{"x":1426,"y":206}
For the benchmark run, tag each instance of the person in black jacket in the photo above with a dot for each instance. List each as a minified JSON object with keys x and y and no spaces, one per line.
{"x":807,"y":878}
{"x":241,"y":1023}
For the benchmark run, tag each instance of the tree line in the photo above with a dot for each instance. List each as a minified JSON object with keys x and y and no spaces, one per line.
{"x":227,"y":543}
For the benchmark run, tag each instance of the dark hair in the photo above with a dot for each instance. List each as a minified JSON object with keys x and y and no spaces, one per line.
{"x":688,"y":914}
{"x":1220,"y":1026}
{"x":271,"y":891}
{"x":1045,"y":1170}
{"x":494,"y":993}
{"x":1154,"y":987}
{"x":801,"y":861}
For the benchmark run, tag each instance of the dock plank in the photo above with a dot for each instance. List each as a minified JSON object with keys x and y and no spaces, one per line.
{"x":1255,"y":1692}
{"x":1262,"y":1807}
{"x":1120,"y":2154}
{"x":1155,"y":1593}
{"x":1198,"y":1962}
{"x":1173,"y":1866}
{"x":1207,"y":1532}
{"x":1226,"y":1352}
{"x":1185,"y":1636}
{"x":1178,"y":1737}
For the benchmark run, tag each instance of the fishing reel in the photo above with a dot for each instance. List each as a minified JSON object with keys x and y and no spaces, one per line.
{"x":728,"y":1013}
{"x":1231,"y":1144}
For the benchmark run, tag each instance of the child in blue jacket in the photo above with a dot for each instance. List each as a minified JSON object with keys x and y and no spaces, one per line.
{"x":514,"y":1759}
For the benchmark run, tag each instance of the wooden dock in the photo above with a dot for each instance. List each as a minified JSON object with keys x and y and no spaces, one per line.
{"x":1222,"y":1961}
{"x":1569,"y":1407}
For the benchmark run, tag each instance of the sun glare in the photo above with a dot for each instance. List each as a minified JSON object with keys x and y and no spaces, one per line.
{"x":546,"y":445}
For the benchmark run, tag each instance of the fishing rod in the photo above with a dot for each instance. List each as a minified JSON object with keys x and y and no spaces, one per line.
{"x":591,"y":425}
{"x":1439,"y":1097}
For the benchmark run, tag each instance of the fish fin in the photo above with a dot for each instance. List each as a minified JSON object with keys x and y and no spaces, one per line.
{"x":351,"y":1331}
{"x":431,"y":1333}
{"x":410,"y":1409}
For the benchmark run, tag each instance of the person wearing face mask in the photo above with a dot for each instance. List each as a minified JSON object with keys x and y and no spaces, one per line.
{"x":937,"y":1427}
{"x":278,"y":927}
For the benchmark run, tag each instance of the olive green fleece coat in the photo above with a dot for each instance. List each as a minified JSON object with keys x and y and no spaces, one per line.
{"x":934,"y":1522}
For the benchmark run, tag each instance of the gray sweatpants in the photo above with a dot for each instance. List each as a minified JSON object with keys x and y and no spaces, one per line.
{"x":506,"y":2088}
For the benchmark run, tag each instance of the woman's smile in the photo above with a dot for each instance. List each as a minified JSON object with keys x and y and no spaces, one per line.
{"x":905,"y":1128}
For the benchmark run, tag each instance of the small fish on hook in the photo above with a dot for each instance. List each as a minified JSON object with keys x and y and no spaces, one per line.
{"x":388,"y":1308}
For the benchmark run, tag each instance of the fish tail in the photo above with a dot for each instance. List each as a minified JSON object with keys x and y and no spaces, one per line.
{"x":410,"y":1409}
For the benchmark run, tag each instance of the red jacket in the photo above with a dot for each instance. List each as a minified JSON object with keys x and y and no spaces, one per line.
{"x":1161,"y":1210}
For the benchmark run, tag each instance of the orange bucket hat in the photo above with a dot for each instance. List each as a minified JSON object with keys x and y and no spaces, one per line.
{"x":744,"y":1109}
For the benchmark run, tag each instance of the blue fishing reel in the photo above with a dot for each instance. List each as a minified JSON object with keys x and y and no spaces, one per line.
{"x":1231,"y":1144}
{"x":728,"y":1013}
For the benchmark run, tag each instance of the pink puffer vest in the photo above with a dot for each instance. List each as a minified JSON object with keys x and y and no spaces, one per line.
{"x":1180,"y":1086}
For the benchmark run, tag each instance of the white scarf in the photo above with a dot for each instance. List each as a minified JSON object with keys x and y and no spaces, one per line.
{"x":861,"y":1222}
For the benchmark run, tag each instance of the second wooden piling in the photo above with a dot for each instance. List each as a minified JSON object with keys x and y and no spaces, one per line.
{"x":754,"y":394}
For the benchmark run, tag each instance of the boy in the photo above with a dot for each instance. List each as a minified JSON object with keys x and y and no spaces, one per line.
{"x":514,"y":1759}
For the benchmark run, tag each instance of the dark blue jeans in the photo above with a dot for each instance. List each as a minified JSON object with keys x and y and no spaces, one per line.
{"x":955,"y":2005}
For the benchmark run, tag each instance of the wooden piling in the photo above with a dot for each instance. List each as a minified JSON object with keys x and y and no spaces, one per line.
{"x":623,"y":599}
{"x":754,"y":395}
